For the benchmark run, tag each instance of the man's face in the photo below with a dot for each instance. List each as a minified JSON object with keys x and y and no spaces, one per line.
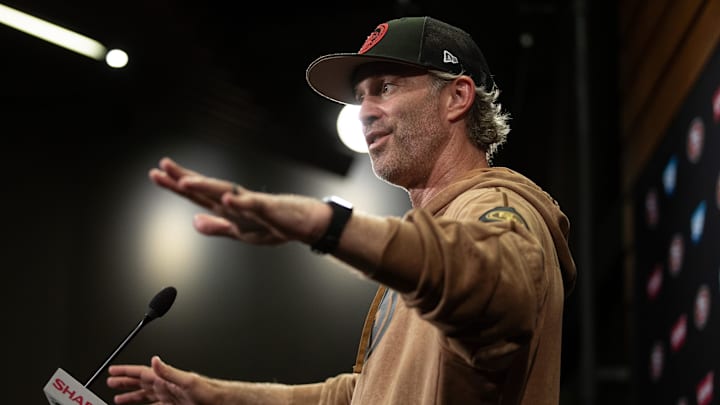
{"x":402,"y":121}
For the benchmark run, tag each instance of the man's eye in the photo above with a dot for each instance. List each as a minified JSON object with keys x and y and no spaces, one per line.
{"x":386,"y":87}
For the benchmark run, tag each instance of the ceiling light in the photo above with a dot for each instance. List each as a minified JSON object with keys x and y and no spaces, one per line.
{"x":57,"y":35}
{"x":116,"y":58}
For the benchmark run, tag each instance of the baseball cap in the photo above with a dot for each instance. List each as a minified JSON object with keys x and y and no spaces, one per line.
{"x":423,"y":42}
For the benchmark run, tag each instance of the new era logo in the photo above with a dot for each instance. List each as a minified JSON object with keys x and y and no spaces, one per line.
{"x":449,"y":58}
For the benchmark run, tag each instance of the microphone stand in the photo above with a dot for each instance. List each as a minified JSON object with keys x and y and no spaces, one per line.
{"x":132,"y":334}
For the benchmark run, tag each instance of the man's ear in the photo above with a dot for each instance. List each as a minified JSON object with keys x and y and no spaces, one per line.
{"x":461,"y":97}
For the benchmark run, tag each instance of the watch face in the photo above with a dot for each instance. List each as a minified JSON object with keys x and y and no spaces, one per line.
{"x":339,"y":201}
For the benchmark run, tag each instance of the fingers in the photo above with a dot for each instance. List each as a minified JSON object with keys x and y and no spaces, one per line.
{"x":123,"y":383}
{"x":160,"y":382}
{"x":174,"y":170}
{"x":169,"y":172}
{"x":238,"y":212}
{"x":244,"y":226}
{"x":133,"y":397}
{"x":209,"y":186}
{"x":127,"y":370}
{"x":172,"y":175}
{"x":170,"y":374}
{"x":135,"y":379}
{"x":127,"y":376}
{"x":214,"y":226}
{"x":163,"y":179}
{"x":174,"y":386}
{"x":202,"y":190}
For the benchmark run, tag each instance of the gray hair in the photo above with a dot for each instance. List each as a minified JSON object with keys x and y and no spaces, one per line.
{"x":487,"y":124}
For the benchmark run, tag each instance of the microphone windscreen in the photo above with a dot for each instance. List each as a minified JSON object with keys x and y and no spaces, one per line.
{"x":161,"y":303}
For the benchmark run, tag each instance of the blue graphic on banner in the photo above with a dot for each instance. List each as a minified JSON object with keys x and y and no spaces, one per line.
{"x":697,"y":221}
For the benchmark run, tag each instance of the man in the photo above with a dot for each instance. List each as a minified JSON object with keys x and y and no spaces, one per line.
{"x":473,"y":278}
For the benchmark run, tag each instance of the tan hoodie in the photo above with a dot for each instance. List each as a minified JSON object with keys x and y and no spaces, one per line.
{"x":490,"y":263}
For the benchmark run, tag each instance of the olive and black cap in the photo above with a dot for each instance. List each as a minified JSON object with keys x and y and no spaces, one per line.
{"x":423,"y":42}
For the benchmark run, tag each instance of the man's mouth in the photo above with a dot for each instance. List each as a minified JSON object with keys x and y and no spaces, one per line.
{"x":376,"y":138}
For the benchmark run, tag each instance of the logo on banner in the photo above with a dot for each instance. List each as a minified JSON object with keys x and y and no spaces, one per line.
{"x":702,"y":306}
{"x":697,"y":222}
{"x":669,"y":175}
{"x":716,"y":105}
{"x":678,"y":333}
{"x":675,"y":254}
{"x":657,"y":361}
{"x":704,"y":389}
{"x":651,"y":208}
{"x":695,"y":139}
{"x":654,"y":283}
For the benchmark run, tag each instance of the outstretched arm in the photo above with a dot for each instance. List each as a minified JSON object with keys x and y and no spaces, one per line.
{"x":242,"y":214}
{"x":163,"y":384}
{"x":264,"y":218}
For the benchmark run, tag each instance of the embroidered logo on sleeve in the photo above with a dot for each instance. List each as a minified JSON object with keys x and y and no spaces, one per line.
{"x":503,"y":214}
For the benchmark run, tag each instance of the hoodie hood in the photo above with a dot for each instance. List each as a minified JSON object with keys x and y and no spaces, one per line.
{"x":557,"y":222}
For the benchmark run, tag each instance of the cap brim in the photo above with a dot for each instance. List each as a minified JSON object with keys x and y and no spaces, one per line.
{"x":331,"y":76}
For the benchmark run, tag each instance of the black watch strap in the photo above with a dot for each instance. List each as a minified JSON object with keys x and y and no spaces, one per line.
{"x":341,"y":213}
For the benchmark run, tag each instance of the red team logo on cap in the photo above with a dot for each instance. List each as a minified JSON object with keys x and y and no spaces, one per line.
{"x":374,"y":37}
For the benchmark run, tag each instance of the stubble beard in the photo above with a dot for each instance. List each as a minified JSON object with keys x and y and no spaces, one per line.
{"x":407,"y":158}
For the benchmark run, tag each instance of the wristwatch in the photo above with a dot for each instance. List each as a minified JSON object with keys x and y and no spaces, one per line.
{"x":341,"y":213}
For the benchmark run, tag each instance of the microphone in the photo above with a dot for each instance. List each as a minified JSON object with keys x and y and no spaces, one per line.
{"x":158,"y":306}
{"x":63,"y":389}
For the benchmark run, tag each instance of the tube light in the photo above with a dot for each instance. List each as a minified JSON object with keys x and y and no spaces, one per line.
{"x":52,"y":33}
